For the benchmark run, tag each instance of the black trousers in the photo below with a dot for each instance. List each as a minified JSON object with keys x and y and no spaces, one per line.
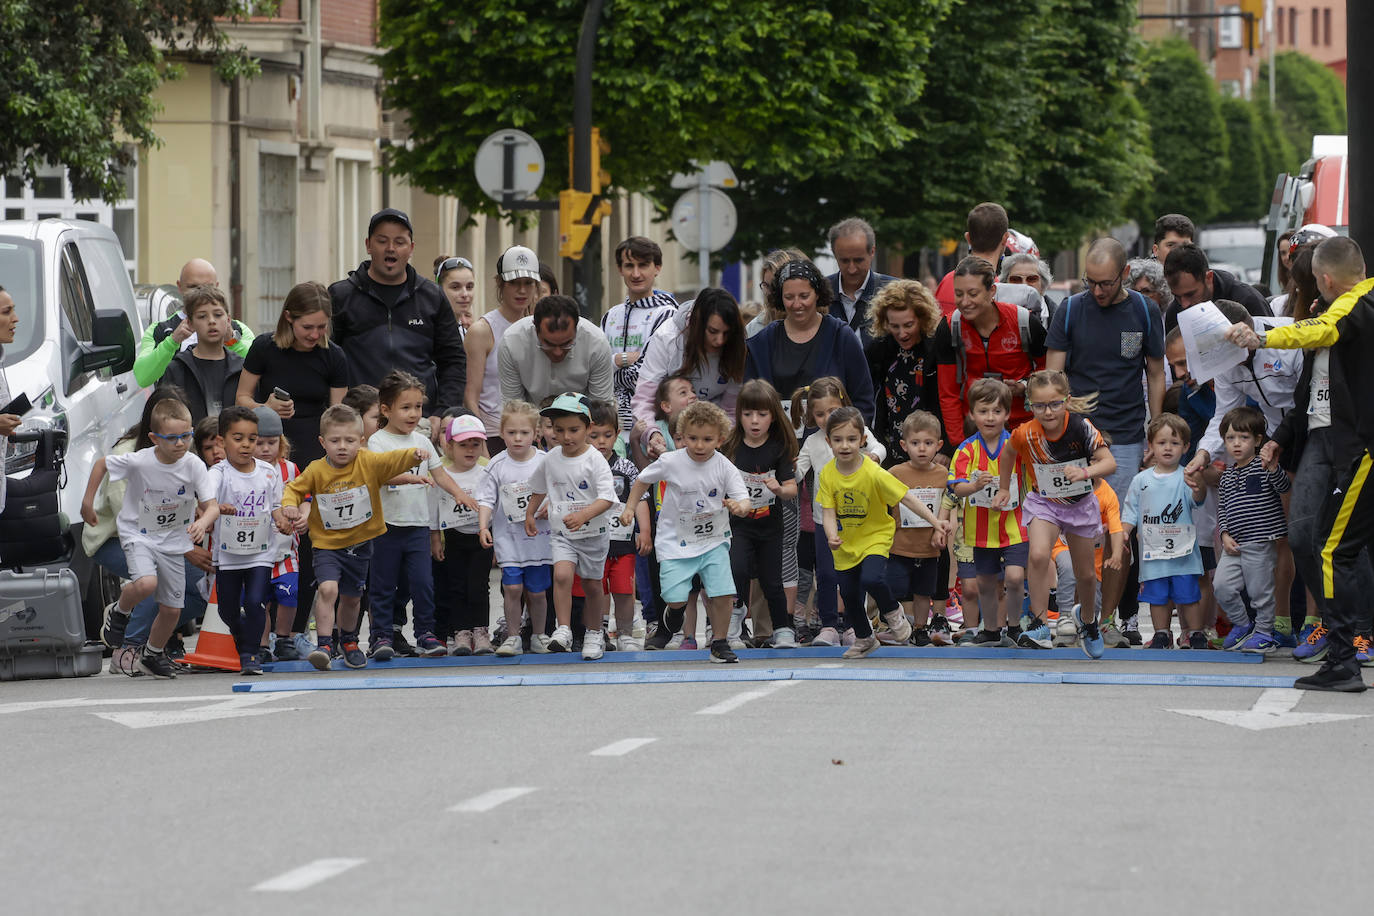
{"x":756,"y":553}
{"x":1346,"y":528}
{"x":462,"y":585}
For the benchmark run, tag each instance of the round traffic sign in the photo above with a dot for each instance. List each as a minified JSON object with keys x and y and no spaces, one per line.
{"x":509,"y":162}
{"x":704,"y":218}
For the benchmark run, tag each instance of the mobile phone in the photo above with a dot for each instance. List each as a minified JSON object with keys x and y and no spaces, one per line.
{"x":281,"y":394}
{"x":19,"y":406}
{"x":996,"y":375}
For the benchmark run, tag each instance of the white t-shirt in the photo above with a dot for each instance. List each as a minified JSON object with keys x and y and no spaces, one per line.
{"x":246,"y":538}
{"x":693,"y":519}
{"x":446,"y":513}
{"x":571,"y":483}
{"x":506,"y":492}
{"x":160,"y":499}
{"x":408,"y":504}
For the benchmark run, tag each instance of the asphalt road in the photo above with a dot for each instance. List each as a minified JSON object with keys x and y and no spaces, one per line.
{"x":758,"y":797}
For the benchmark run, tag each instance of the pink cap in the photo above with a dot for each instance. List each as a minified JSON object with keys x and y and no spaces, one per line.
{"x":465,"y":427}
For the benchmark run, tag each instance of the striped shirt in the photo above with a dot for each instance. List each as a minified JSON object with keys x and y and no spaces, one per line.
{"x":1249,"y":505}
{"x":984,"y":526}
{"x":286,"y":545}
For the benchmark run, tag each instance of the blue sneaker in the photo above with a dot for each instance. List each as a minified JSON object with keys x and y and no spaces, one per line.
{"x":1089,"y":635}
{"x":1035,"y":637}
{"x":1285,"y":640}
{"x":1313,"y":648}
{"x":1363,"y":654}
{"x":1305,"y":632}
{"x":1237,"y":636}
{"x":1258,"y":643}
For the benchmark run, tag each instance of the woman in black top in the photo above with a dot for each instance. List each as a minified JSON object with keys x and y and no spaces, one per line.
{"x":901,"y":360}
{"x":298,"y":359}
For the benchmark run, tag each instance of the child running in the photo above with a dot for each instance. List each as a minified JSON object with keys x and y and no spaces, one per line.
{"x":166,"y":484}
{"x":247,"y":490}
{"x":913,"y":568}
{"x":1064,"y":453}
{"x":693,"y":538}
{"x":274,"y":448}
{"x":763,"y":447}
{"x":856,"y":497}
{"x":577,"y":482}
{"x":345,"y":489}
{"x":619,"y":578}
{"x":1160,"y":502}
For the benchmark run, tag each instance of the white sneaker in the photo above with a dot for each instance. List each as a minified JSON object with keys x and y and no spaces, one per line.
{"x":561,"y":641}
{"x":783,"y":638}
{"x":737,"y":615}
{"x":675,"y":642}
{"x":593,"y":645}
{"x":638,"y":630}
{"x":1065,"y":631}
{"x":539,"y":644}
{"x":511,"y":646}
{"x":899,"y":625}
{"x":629,"y":644}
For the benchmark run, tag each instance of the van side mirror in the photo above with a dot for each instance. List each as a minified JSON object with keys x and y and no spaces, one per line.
{"x":112,"y":343}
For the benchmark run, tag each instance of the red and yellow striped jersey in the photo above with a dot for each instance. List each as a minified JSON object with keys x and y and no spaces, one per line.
{"x":983,"y":525}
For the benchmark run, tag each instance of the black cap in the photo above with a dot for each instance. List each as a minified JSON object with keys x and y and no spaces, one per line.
{"x":389,"y":215}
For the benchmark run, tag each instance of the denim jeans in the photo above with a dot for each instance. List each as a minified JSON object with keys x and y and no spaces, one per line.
{"x":111,"y":557}
{"x":402,"y":549}
{"x":1128,"y":458}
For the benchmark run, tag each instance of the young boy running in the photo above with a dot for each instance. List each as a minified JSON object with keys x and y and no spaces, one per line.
{"x":619,"y":578}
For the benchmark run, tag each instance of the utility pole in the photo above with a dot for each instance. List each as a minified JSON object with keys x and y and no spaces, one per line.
{"x":587,"y":285}
{"x":1359,"y":93}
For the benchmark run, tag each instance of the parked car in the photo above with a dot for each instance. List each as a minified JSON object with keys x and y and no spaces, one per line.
{"x":1238,"y":246}
{"x":73,"y":355}
{"x":1317,"y":194}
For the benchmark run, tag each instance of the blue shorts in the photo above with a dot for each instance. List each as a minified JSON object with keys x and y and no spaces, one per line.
{"x":675,"y":576}
{"x":535,"y":579}
{"x":348,"y":567}
{"x":990,"y":561}
{"x":285,"y":589}
{"x":1178,"y":589}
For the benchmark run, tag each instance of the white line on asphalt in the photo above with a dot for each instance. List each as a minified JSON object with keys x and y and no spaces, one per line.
{"x":831,"y":665}
{"x":488,"y":800}
{"x":78,"y":702}
{"x":622,"y":747}
{"x":739,"y":699}
{"x":308,"y":875}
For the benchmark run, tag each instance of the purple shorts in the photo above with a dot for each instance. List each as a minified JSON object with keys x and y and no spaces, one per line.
{"x":1083,"y":518}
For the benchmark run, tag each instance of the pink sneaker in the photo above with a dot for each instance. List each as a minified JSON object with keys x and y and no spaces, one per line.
{"x":462,"y":642}
{"x":847,"y":639}
{"x":481,"y":642}
{"x":689,"y":644}
{"x":828,"y":636}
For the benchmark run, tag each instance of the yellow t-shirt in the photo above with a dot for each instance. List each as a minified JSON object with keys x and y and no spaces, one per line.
{"x":347,"y":506}
{"x":863,"y":504}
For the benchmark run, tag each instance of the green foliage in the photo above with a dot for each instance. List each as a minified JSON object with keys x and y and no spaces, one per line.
{"x":1245,"y":195}
{"x":1276,"y":149}
{"x":76,"y":86}
{"x":1187,"y":133}
{"x":762,"y":85}
{"x":1309,"y":97}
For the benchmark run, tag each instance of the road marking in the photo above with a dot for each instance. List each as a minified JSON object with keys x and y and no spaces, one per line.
{"x":622,"y":747}
{"x":78,"y":702}
{"x":236,"y":707}
{"x":831,"y":665}
{"x":308,"y":875}
{"x":739,"y":699}
{"x":488,"y":800}
{"x":1273,"y":709}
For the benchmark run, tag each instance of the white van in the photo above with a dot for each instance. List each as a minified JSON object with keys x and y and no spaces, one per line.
{"x":73,"y":355}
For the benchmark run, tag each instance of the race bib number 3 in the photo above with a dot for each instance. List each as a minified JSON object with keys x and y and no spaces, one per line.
{"x":515,"y":499}
{"x":928,"y":495}
{"x":1166,"y":542}
{"x":1053,"y":480}
{"x":245,"y":535}
{"x":344,"y":510}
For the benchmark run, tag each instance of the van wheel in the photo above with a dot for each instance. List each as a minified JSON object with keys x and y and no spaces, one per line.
{"x":101,"y":588}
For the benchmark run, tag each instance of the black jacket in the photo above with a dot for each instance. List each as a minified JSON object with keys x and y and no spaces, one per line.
{"x":418,"y":335}
{"x":183,"y":372}
{"x":1226,"y":286}
{"x":880,"y":357}
{"x":860,"y":322}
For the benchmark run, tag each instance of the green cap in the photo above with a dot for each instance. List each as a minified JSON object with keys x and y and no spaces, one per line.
{"x":566,"y":403}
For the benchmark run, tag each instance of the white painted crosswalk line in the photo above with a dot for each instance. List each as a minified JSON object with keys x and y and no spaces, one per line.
{"x":739,"y":699}
{"x":308,"y":875}
{"x":622,"y":747}
{"x":488,"y":800}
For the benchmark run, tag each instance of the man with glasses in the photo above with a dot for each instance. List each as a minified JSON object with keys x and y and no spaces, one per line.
{"x":552,"y":351}
{"x":1104,"y":338}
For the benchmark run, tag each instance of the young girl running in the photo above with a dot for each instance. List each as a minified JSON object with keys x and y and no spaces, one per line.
{"x":1064,"y":453}
{"x":463,"y":564}
{"x":405,"y":506}
{"x":823,"y":397}
{"x":856,"y":497}
{"x":764,"y":449}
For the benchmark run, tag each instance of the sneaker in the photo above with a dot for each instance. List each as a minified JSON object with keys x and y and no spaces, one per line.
{"x":1285,"y":640}
{"x":783,"y":638}
{"x":540,"y":644}
{"x":628,"y":643}
{"x":1162,"y":639}
{"x":511,"y":646}
{"x":303,"y":645}
{"x":264,"y":656}
{"x":861,"y":647}
{"x":828,"y":636}
{"x":736,"y":632}
{"x":1132,"y":637}
{"x":1007,"y":640}
{"x":320,"y":656}
{"x":1363,"y":655}
{"x":898,"y":624}
{"x":1258,"y":643}
{"x":382,"y":650}
{"x":1036,"y":637}
{"x":249,"y":663}
{"x":1065,"y":632}
{"x":1237,"y":636}
{"x":1214,"y":641}
{"x":721,"y":653}
{"x":352,"y":655}
{"x":847,"y":637}
{"x":481,"y":642}
{"x":430,"y":647}
{"x":940,"y":634}
{"x":402,"y":645}
{"x":593,"y":645}
{"x":286,"y":650}
{"x":463,"y":642}
{"x":1112,"y":638}
{"x":1313,"y":648}
{"x":156,"y":663}
{"x":689,"y":644}
{"x":986,"y":639}
{"x":1026,"y":622}
{"x":658,"y":639}
{"x":1198,"y":640}
{"x":175,"y":648}
{"x":921,"y":638}
{"x":498,"y":632}
{"x":675,"y":642}
{"x":1339,"y":680}
{"x":1091,"y":638}
{"x":113,"y":626}
{"x":125,"y":661}
{"x":561,"y":641}
{"x":1305,"y":632}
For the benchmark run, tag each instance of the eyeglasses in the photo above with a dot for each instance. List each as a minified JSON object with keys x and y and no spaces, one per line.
{"x":1027,"y":279}
{"x":450,"y":264}
{"x":557,"y":348}
{"x":1046,"y":406}
{"x":1103,"y":285}
{"x":179,"y":437}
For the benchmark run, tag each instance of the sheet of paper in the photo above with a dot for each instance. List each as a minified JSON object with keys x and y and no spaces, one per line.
{"x":1209,"y":353}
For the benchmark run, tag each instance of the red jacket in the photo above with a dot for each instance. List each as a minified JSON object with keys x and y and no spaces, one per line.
{"x":1003,"y":353}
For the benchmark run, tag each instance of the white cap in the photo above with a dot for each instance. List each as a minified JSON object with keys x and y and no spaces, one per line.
{"x":516,"y":263}
{"x":465,"y":427}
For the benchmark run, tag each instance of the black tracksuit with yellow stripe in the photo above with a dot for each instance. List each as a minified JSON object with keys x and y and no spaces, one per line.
{"x":1347,"y":523}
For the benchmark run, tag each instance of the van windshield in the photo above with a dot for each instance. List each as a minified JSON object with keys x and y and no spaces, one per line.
{"x":21,"y":274}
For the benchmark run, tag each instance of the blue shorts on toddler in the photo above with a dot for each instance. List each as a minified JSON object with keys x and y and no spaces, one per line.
{"x":675,"y":575}
{"x":1176,"y":589}
{"x":535,"y":579}
{"x":286,"y":589}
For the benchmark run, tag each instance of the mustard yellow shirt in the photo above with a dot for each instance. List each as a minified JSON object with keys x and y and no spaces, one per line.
{"x":863,"y":504}
{"x":347,"y":506}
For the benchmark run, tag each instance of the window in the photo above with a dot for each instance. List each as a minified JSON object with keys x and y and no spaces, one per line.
{"x":1293,"y":26}
{"x":353,"y":194}
{"x":76,"y":298}
{"x":1326,"y":26}
{"x":1316,"y":19}
{"x":276,"y":235}
{"x":1278,"y":24}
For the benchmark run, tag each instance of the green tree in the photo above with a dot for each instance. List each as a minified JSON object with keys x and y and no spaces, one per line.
{"x":1276,"y":148}
{"x":1245,"y":195}
{"x":77,"y":85}
{"x":1187,"y":132}
{"x":765,"y":86}
{"x":1309,"y":97}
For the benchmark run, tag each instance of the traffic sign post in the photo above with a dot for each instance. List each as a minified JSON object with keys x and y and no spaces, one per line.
{"x":705,"y":218}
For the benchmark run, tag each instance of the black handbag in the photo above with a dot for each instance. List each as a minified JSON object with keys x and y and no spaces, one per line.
{"x":31,"y":529}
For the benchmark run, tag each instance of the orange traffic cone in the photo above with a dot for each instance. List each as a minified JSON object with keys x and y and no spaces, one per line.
{"x":215,"y":646}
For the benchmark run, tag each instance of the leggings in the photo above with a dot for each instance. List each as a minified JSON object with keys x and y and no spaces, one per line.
{"x":869,"y":576}
{"x":305,"y":584}
{"x":791,"y":533}
{"x":826,"y":584}
{"x":462,"y":585}
{"x":757,"y":551}
{"x":243,"y":595}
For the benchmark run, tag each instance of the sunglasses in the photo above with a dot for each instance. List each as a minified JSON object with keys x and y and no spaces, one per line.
{"x":179,"y":437}
{"x":450,"y":264}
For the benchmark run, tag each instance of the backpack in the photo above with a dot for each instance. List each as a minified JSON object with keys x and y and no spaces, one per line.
{"x":1023,"y":316}
{"x":31,"y":526}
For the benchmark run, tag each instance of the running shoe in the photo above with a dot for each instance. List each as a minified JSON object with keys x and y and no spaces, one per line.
{"x":540,"y":644}
{"x":382,"y":650}
{"x":847,"y":637}
{"x":1162,"y":639}
{"x":1198,"y":640}
{"x":1339,"y":679}
{"x":920,"y":637}
{"x":1112,"y":638}
{"x":303,"y":645}
{"x":430,"y":646}
{"x":658,"y":639}
{"x":1132,"y":637}
{"x":689,"y":643}
{"x":402,"y":645}
{"x":1313,"y":648}
{"x":1065,"y":632}
{"x":321,"y":655}
{"x":510,"y":647}
{"x":676,"y":642}
{"x":593,"y":645}
{"x":249,"y":664}
{"x":1237,"y":636}
{"x":562,"y":639}
{"x":828,"y":636}
{"x":721,"y":653}
{"x":862,"y":646}
{"x":1006,"y":640}
{"x":1091,"y":637}
{"x":113,"y":626}
{"x":986,"y":639}
{"x":1305,"y":632}
{"x":968,"y":638}
{"x":1214,"y":641}
{"x":1285,"y":640}
{"x":1035,"y":637}
{"x":783,"y":638}
{"x":462,"y":643}
{"x":629,"y":644}
{"x":285,"y":650}
{"x":1363,"y":655}
{"x":156,"y":663}
{"x":125,"y":661}
{"x":898,"y":624}
{"x":1258,"y":643}
{"x":481,"y":641}
{"x":353,"y":656}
